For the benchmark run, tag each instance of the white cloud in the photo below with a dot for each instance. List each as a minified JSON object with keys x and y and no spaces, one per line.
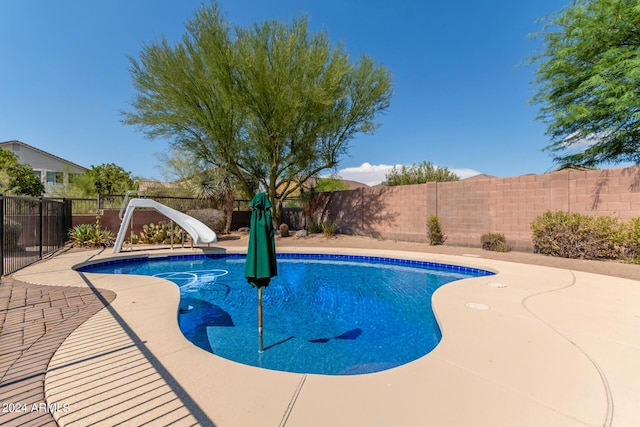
{"x":465,"y":173}
{"x":366,"y":173}
{"x":375,"y":174}
{"x":579,"y":141}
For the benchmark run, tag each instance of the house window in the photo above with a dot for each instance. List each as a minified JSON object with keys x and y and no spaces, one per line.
{"x":55,"y":177}
{"x":38,"y":174}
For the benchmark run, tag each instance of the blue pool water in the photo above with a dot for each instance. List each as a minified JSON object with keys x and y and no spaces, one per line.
{"x":337,"y":315}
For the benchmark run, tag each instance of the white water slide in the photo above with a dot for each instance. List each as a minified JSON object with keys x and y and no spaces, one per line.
{"x":199,"y":232}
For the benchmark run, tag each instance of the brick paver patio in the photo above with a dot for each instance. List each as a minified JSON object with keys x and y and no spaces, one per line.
{"x":34,"y":321}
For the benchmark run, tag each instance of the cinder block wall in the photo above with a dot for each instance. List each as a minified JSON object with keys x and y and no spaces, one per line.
{"x":469,"y":208}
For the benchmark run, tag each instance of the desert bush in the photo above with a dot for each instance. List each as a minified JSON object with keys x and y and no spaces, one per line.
{"x":329,"y":228}
{"x":495,"y":242}
{"x":632,"y":240}
{"x":215,"y":219}
{"x":160,"y":234}
{"x":573,"y":235}
{"x":434,"y":229}
{"x":314,"y":227}
{"x":284,"y":230}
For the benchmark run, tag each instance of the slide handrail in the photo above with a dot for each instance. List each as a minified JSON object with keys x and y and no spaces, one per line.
{"x":124,"y":201}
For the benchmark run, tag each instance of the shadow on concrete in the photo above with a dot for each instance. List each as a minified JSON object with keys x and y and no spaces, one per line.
{"x":112,"y":378}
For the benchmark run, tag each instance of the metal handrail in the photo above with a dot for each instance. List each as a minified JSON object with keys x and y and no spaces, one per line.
{"x":124,"y":202}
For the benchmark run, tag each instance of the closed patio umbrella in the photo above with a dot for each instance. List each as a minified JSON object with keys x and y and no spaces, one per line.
{"x":260,"y":265}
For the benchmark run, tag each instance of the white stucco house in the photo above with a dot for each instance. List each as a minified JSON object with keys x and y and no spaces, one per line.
{"x":52,"y":170}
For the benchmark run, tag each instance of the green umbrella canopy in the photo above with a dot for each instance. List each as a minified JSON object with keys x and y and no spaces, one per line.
{"x":260,"y":266}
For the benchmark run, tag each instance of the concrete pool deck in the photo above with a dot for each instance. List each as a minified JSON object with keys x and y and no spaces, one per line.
{"x":534,"y":345}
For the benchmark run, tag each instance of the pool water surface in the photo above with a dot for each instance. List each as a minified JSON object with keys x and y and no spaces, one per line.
{"x":323,"y":314}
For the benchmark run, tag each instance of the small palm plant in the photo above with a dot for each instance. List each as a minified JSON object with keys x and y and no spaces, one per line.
{"x":212,"y":185}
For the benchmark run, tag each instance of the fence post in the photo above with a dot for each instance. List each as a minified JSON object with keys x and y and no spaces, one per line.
{"x":67,"y":213}
{"x":2,"y":235}
{"x":40,"y":227}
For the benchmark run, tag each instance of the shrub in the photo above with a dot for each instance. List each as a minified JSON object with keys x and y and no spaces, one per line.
{"x":314,"y":227}
{"x":573,"y":235}
{"x":495,"y":242}
{"x":436,"y":235}
{"x":632,"y":240}
{"x":329,"y":228}
{"x":284,"y":230}
{"x":215,"y":219}
{"x":160,"y":234}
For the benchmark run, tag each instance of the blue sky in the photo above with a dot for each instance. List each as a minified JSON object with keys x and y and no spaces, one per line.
{"x":461,"y":97}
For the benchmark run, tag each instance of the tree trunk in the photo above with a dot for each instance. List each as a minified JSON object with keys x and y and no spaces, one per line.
{"x":228,"y":208}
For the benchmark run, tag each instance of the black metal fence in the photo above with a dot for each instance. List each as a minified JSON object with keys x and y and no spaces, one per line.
{"x":31,"y":228}
{"x":114,"y":201}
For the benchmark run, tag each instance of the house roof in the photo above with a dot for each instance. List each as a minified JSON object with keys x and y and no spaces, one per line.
{"x":31,"y":147}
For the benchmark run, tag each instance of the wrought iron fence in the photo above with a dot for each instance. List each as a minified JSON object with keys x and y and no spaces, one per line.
{"x":114,"y":201}
{"x":84,"y":206}
{"x":31,"y":228}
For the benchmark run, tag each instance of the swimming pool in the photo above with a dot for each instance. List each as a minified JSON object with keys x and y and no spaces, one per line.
{"x":325,"y":314}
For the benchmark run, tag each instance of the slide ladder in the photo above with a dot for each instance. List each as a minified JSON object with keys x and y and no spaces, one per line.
{"x":198,"y":231}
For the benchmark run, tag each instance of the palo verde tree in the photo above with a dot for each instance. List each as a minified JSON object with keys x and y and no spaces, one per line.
{"x":271,"y":103}
{"x":587,"y":81}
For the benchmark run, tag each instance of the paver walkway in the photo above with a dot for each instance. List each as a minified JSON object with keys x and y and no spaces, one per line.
{"x":34,"y":321}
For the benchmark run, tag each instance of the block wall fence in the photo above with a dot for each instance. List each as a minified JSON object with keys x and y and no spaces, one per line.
{"x":467,"y":209}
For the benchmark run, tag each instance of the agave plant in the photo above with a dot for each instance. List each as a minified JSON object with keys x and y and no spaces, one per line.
{"x":91,"y":235}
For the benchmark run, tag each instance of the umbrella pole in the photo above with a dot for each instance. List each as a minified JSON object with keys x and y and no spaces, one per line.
{"x":261,"y":345}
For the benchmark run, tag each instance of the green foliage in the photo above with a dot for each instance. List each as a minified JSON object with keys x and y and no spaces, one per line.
{"x":434,"y":229}
{"x":314,"y":227}
{"x":162,"y":233}
{"x":419,"y":174}
{"x":272,"y":103}
{"x":91,"y":235}
{"x":330,"y":184}
{"x":107,"y":178}
{"x":495,"y":242}
{"x":587,"y":82}
{"x":82,"y":234}
{"x":632,"y":240}
{"x":82,"y":186}
{"x":216,"y":186}
{"x":329,"y":228}
{"x":573,"y":235}
{"x":17,"y":178}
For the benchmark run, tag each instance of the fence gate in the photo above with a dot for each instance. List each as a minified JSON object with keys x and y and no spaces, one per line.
{"x":30,"y":229}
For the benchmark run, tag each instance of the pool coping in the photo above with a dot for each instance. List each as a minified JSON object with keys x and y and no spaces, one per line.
{"x":534,"y":354}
